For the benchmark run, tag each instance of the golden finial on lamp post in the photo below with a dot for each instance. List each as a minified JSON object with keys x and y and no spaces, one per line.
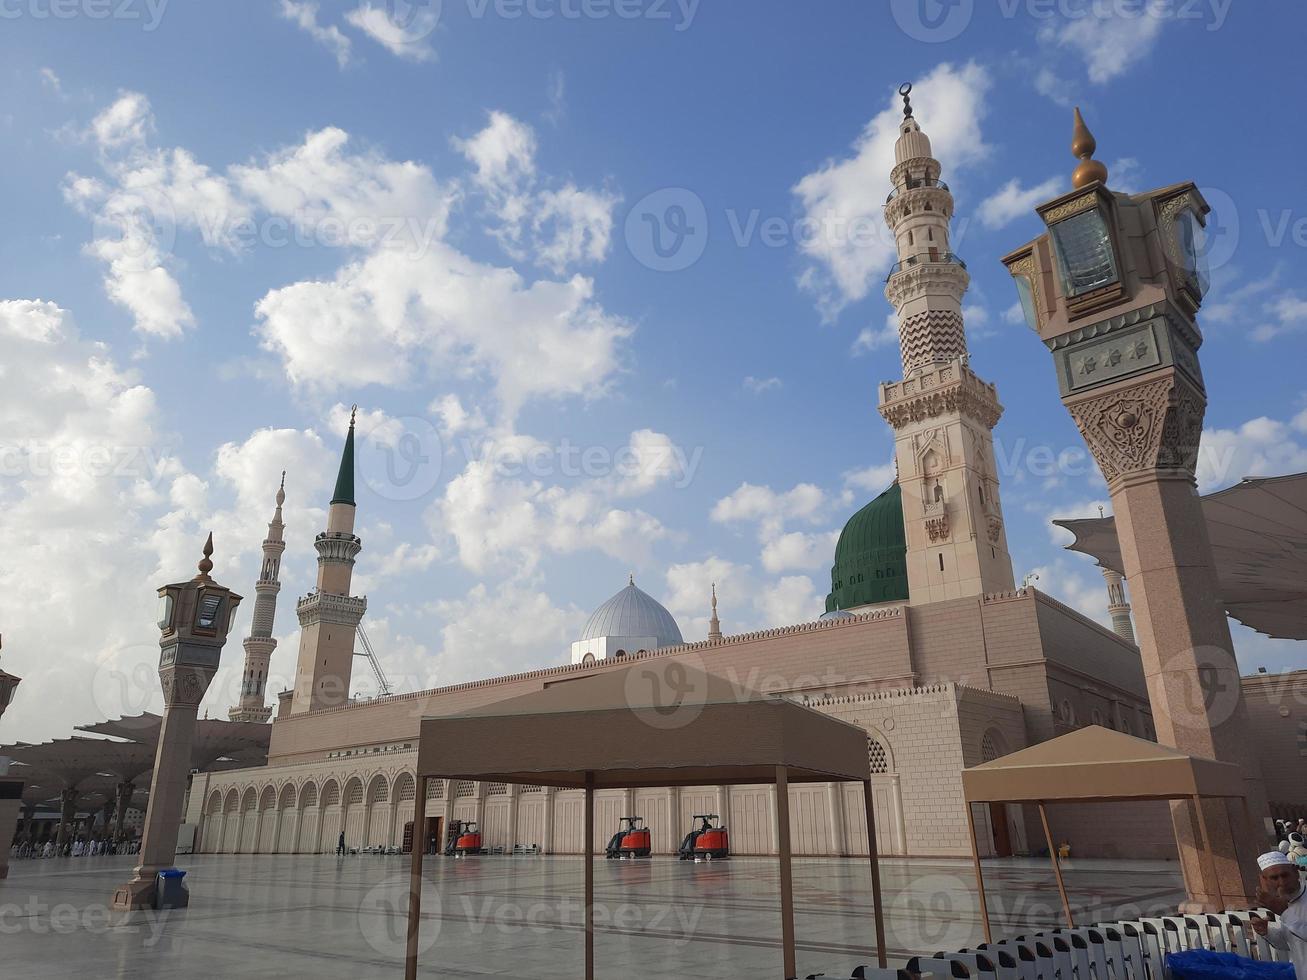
{"x":1083,"y":146}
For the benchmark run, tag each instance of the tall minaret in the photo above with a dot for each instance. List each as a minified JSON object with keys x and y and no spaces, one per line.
{"x":714,"y":624}
{"x":329,"y":616}
{"x":942,"y":413}
{"x":1118,"y":606}
{"x":260,"y":643}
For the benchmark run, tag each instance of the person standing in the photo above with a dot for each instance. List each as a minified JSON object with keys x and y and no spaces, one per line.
{"x":1282,"y":891}
{"x":340,"y":844}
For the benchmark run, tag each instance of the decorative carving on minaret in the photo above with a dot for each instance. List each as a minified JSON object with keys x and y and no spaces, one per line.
{"x":260,"y":644}
{"x":942,"y":413}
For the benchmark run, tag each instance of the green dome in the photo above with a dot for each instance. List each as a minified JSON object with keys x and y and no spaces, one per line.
{"x":870,"y":558}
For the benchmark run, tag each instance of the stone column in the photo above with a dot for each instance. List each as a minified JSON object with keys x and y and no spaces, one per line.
{"x":1144,"y":436}
{"x":172,"y":764}
{"x":123,"y":799}
{"x":67,"y":814}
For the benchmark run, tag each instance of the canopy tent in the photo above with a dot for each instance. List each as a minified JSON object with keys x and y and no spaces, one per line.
{"x":1096,"y":765}
{"x":654,"y":723}
{"x":1258,"y":530}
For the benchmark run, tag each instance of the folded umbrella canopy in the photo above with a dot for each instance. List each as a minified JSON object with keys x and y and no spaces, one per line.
{"x":1258,"y":530}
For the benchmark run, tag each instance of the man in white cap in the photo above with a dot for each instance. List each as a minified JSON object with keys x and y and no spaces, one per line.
{"x":1282,"y":892}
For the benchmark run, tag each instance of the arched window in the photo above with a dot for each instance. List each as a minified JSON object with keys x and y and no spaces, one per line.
{"x":620,"y":653}
{"x":993,"y":745}
{"x":589,"y":658}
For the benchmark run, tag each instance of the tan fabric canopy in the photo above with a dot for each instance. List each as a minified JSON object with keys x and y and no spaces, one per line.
{"x":1258,"y":530}
{"x":1096,"y":765}
{"x":653,"y":723}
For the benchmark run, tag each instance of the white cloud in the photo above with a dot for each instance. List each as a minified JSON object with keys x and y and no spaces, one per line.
{"x":1109,"y":39}
{"x":798,"y":551}
{"x":760,"y":385}
{"x":792,"y":599}
{"x":406,"y":36}
{"x":649,"y":459}
{"x":305,"y":17}
{"x":150,"y":194}
{"x":51,"y":81}
{"x":771,"y":510}
{"x":504,"y":156}
{"x":335,"y":194}
{"x":873,"y":479}
{"x":568,"y":226}
{"x":1259,"y":447}
{"x":455,"y":418}
{"x":572,"y":227}
{"x":499,"y":518}
{"x":870,"y":339}
{"x":1013,"y":201}
{"x":1049,"y":84}
{"x":384,"y":319}
{"x":510,"y":628}
{"x":845,"y":197}
{"x":1015,"y":315}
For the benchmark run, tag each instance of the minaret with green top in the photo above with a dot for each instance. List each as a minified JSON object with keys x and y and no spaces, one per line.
{"x":329,"y":615}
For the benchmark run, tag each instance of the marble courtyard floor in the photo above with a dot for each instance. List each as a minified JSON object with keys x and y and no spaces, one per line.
{"x":326,"y":917}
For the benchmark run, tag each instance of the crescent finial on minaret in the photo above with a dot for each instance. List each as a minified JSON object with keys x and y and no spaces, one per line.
{"x":905,"y":90}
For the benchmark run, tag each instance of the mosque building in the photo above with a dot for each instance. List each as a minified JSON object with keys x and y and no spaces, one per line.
{"x":926,"y":643}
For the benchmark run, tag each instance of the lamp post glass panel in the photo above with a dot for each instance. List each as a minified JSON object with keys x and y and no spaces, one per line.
{"x":1113,"y":290}
{"x":194,"y":619}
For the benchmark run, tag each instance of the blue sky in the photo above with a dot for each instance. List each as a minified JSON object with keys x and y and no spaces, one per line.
{"x":226,"y":223}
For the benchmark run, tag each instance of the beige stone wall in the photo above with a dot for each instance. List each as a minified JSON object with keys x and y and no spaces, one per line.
{"x":1277,"y":723}
{"x":927,"y":681}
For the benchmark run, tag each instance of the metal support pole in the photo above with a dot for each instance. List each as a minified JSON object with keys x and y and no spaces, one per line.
{"x":787,"y":880}
{"x":873,"y":852}
{"x":589,"y":844}
{"x":1057,"y":866}
{"x":415,"y":879}
{"x":980,"y":877}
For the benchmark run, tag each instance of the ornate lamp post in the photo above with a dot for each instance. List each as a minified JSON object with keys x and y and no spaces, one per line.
{"x":11,"y":788}
{"x":1113,"y":290}
{"x":194,"y":618}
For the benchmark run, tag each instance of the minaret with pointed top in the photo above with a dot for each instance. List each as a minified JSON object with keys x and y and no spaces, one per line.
{"x":260,"y":643}
{"x":942,"y":413}
{"x":714,"y":624}
{"x":329,"y":615}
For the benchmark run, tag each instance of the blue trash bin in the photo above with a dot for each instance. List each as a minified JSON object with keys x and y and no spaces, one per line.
{"x":171,"y":891}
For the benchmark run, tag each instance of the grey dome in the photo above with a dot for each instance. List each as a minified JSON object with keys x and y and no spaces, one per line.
{"x":835,"y":614}
{"x":633,"y":613}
